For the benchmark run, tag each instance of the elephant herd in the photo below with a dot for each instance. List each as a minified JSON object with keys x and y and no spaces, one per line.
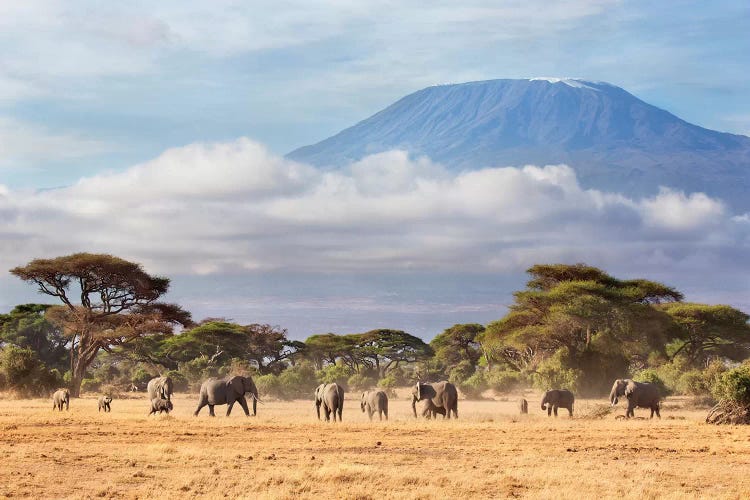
{"x":438,"y":398}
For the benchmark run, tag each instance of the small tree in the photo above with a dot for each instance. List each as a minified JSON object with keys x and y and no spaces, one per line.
{"x":116,"y":303}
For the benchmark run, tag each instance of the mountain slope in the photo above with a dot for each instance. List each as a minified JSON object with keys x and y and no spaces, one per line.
{"x":614,"y":140}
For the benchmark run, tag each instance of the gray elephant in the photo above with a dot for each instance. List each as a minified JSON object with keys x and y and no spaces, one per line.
{"x":160,"y":405}
{"x":160,"y":387}
{"x":60,"y":397}
{"x":639,"y":394}
{"x":331,"y":396}
{"x":104,"y":402}
{"x":442,"y":394}
{"x":523,"y":406}
{"x":228,"y":391}
{"x":429,"y":410}
{"x":375,"y":401}
{"x":558,"y":398}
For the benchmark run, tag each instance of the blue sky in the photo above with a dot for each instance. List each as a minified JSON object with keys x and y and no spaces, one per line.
{"x":199,"y":101}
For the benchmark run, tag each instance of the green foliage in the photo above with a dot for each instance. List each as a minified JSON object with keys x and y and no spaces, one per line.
{"x":26,"y":326}
{"x":734,"y":386}
{"x":269,"y":386}
{"x":703,"y":331}
{"x":197,"y":370}
{"x":180,"y":381}
{"x":296,"y":382}
{"x":651,"y":376}
{"x":555,"y":373}
{"x":23,"y":372}
{"x":458,"y":343}
{"x":338,"y":373}
{"x":473,"y":386}
{"x":504,"y":381}
{"x":361,"y":382}
{"x":141,"y":377}
{"x":90,"y":385}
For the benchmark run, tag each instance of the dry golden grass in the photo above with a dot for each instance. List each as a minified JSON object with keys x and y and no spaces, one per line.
{"x":285,"y":452}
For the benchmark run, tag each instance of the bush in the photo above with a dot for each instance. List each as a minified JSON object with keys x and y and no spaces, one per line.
{"x":90,"y":385}
{"x":651,"y":376}
{"x":298,"y":381}
{"x":555,"y":373}
{"x":503,"y":381}
{"x":269,"y":386}
{"x":22,"y":371}
{"x":140,"y":378}
{"x":197,"y":370}
{"x":462,"y":371}
{"x":180,"y":381}
{"x":474,"y":386}
{"x":692,"y":383}
{"x":337,"y":373}
{"x":734,"y":386}
{"x":361,"y":382}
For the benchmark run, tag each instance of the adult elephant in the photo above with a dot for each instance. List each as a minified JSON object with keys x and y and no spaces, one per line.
{"x":227,"y":391}
{"x":331,"y":397}
{"x":639,"y":394}
{"x":160,"y":387}
{"x":375,"y":402}
{"x":558,"y":398}
{"x":442,"y":394}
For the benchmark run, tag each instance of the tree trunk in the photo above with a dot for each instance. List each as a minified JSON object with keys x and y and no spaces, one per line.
{"x":76,"y":378}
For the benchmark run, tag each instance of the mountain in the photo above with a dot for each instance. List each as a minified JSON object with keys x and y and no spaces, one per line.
{"x":613,"y":140}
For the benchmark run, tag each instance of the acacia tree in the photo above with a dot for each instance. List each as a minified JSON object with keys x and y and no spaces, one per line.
{"x":707,"y":331}
{"x":579,"y":318}
{"x":107,"y":301}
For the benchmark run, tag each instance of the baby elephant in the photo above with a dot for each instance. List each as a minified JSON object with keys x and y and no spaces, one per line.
{"x":375,"y":401}
{"x":104,"y":402}
{"x":523,"y":406}
{"x":429,"y":410}
{"x":161,"y":405}
{"x":60,"y":397}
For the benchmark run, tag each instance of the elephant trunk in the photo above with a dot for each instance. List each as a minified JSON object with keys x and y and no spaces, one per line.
{"x":544,"y":403}
{"x":414,"y":405}
{"x":255,"y":404}
{"x":613,"y":397}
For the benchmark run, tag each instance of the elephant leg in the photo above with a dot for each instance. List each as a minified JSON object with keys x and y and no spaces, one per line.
{"x":327,"y":413}
{"x":341,"y":409}
{"x":243,"y":403}
{"x":200,"y":407}
{"x":549,"y":410}
{"x":229,"y":408}
{"x":555,"y":410}
{"x":211,"y":410}
{"x":570,"y":410}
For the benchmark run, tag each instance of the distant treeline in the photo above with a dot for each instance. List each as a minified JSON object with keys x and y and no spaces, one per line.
{"x":573,"y":326}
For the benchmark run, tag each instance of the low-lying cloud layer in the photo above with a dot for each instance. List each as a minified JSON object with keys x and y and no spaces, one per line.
{"x":235,"y":207}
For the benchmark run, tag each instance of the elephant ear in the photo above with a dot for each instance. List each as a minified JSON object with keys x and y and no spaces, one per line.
{"x":236,"y":384}
{"x":629,"y":389}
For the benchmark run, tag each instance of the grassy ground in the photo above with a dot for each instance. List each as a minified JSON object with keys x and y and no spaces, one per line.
{"x":284,"y":452}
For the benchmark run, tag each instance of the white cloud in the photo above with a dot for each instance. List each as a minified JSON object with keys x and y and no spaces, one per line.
{"x":673,"y":210}
{"x":234,"y":207}
{"x":49,"y":45}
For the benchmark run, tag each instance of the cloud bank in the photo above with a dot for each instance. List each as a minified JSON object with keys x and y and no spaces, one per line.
{"x":235,"y":207}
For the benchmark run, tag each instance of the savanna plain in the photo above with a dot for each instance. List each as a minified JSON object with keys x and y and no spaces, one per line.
{"x":285,"y":452}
